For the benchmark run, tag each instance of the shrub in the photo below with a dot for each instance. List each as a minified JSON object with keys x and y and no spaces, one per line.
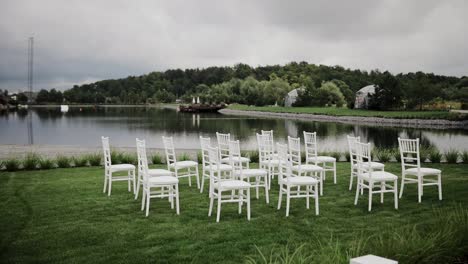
{"x":94,"y":159}
{"x":253,"y":156}
{"x":46,"y":164}
{"x":80,"y":161}
{"x":199,"y":157}
{"x":336,"y":155}
{"x":128,"y":158}
{"x":435,"y":156}
{"x":424,"y":153}
{"x":464,"y":156}
{"x":1,"y":164}
{"x":63,"y":162}
{"x":347,"y":156}
{"x":451,"y":156}
{"x":383,"y":155}
{"x":396,"y":154}
{"x":31,"y":161}
{"x":12,"y":164}
{"x":183,"y":156}
{"x":156,"y":158}
{"x":116,"y":157}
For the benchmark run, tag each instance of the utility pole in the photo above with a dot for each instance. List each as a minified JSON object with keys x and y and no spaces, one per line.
{"x":30,"y":87}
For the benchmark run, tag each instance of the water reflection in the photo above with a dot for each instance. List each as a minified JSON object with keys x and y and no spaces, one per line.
{"x":123,"y":125}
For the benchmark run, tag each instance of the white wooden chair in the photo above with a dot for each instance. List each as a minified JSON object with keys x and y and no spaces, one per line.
{"x":181,"y":169}
{"x":151,"y":173}
{"x":110,"y":169}
{"x":411,"y":168}
{"x":156,"y":187}
{"x":223,"y":146}
{"x":205,"y":143}
{"x":266,"y":157}
{"x":299,"y":169}
{"x":256,"y":177}
{"x":291,"y":184}
{"x":376,"y":166}
{"x":367,"y":178}
{"x":310,"y":142}
{"x":219,"y":185}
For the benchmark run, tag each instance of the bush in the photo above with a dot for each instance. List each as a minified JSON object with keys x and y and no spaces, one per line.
{"x":347,"y":156}
{"x":336,"y":155}
{"x":464,"y":156}
{"x":46,"y":164}
{"x":451,"y":156}
{"x":116,"y":157}
{"x":80,"y":161}
{"x":383,"y":155}
{"x":156,"y":159}
{"x":128,"y":159}
{"x":435,"y":156}
{"x":199,"y":157}
{"x":31,"y":161}
{"x":253,"y":156}
{"x":183,"y":156}
{"x":12,"y":164}
{"x":94,"y":159}
{"x":424,"y":153}
{"x":396,"y":154}
{"x":63,"y":162}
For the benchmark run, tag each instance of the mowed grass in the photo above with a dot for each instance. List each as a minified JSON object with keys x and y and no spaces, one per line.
{"x":62,"y":216}
{"x":334,"y":111}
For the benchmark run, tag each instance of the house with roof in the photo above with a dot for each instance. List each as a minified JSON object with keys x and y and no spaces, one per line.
{"x":363,"y":97}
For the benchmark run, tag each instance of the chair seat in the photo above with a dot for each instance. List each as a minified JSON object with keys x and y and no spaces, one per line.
{"x":320,"y":159}
{"x":273,"y":162}
{"x":374,"y":165}
{"x":232,"y":184}
{"x":380,"y":176}
{"x":235,"y":159}
{"x":183,"y":164}
{"x":122,"y":167}
{"x":423,"y":171}
{"x":163,"y":180}
{"x":159,"y":172}
{"x":300,"y":180}
{"x":222,"y":167}
{"x":307,"y":168}
{"x":251,"y":172}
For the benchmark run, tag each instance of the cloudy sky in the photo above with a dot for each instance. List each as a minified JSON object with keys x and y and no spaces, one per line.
{"x":84,"y":41}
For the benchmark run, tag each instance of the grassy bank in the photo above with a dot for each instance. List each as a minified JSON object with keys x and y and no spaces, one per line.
{"x":333,"y":111}
{"x":61,"y":216}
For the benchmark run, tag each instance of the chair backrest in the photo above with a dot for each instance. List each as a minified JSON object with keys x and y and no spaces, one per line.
{"x":269,"y":140}
{"x":107,"y":152}
{"x":142,"y":158}
{"x":214,"y":162}
{"x":294,"y":146}
{"x":409,"y":153}
{"x":168,"y":143}
{"x":310,"y":142}
{"x":284,"y":161}
{"x":223,"y":144}
{"x":264,"y":150}
{"x":363,"y":158}
{"x":235,"y":154}
{"x":352,"y":150}
{"x":205,"y":143}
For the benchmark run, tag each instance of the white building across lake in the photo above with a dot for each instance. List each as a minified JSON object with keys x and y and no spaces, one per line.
{"x":363,"y":96}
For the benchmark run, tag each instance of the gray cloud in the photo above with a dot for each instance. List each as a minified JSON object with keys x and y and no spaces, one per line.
{"x":85,"y":41}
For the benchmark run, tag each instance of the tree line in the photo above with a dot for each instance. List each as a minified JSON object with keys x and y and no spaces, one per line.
{"x":318,"y":85}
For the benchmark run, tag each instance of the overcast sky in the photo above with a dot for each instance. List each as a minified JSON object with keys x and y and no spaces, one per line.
{"x":84,"y":41}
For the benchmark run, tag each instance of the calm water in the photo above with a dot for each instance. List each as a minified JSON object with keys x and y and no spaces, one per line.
{"x":85,"y":127}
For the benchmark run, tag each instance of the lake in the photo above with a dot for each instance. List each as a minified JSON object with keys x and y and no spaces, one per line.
{"x":85,"y":126}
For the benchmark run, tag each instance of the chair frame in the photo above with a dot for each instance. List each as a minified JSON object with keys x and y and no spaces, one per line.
{"x":171,"y":160}
{"x":409,"y":148}
{"x":286,"y":186}
{"x":352,"y":158}
{"x":310,"y":142}
{"x":266,"y":157}
{"x":363,"y":154}
{"x":108,"y":172}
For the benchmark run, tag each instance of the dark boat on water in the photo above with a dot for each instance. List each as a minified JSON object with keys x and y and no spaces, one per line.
{"x":201,"y":108}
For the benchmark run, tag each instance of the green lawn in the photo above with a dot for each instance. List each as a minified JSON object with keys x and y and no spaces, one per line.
{"x":61,"y":216}
{"x":333,"y":111}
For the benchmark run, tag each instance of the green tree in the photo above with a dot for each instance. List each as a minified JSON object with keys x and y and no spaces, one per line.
{"x":43,"y":96}
{"x":388,"y":93}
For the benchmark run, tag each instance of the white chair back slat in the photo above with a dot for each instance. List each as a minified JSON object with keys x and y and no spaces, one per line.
{"x":235,"y":154}
{"x":142,"y":158}
{"x":205,"y":143}
{"x":409,"y":153}
{"x":269,"y":140}
{"x":223,"y":144}
{"x":352,"y":150}
{"x":310,"y":142}
{"x":363,"y":158}
{"x":107,"y":152}
{"x":168,"y":143}
{"x":285,"y":162}
{"x":264,"y":150}
{"x":214,"y":162}
{"x":294,"y":147}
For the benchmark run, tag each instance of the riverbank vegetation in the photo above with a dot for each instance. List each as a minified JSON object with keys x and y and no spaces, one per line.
{"x":62,"y":216}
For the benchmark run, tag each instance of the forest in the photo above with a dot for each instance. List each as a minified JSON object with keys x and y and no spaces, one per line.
{"x":320,"y":85}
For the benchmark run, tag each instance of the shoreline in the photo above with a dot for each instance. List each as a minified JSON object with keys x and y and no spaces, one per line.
{"x":370,"y":121}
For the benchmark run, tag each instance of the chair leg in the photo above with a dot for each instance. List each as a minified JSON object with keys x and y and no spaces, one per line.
{"x":110,"y":185}
{"x":189,"y":177}
{"x":419,"y":189}
{"x":280,"y":196}
{"x":402,"y":185}
{"x":395,"y":193}
{"x":322,"y":177}
{"x":382,"y":188}
{"x":307,"y":196}
{"x":211,"y":205}
{"x":177,"y":199}
{"x":371,"y":187}
{"x":171,"y":194}
{"x":134,"y":181}
{"x":143,"y":198}
{"x":288,"y":197}
{"x":219,"y":206}
{"x":202,"y":181}
{"x":257,"y":183}
{"x":105,"y":183}
{"x":334,"y":172}
{"x":439,"y":185}
{"x":358,"y":190}
{"x":248,"y":204}
{"x":316,"y":200}
{"x":241,"y":193}
{"x":198,"y":177}
{"x":351,"y":181}
{"x":267,"y":197}
{"x":147,"y":203}
{"x":137,"y":188}
{"x":129,"y":173}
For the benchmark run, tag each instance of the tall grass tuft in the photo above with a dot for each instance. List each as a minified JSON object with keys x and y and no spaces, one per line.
{"x":199,"y":157}
{"x":253,"y":156}
{"x":81,"y":161}
{"x":94,"y":159}
{"x":1,"y":164}
{"x":63,"y":161}
{"x":396,"y":154}
{"x":347,"y":156}
{"x":464,"y":156}
{"x":451,"y":156}
{"x":116,"y":157}
{"x":128,"y":158}
{"x":424,"y":153}
{"x":435,"y":156}
{"x":46,"y":164}
{"x":156,"y":159}
{"x":12,"y":164}
{"x":184,"y":156}
{"x":383,"y":155}
{"x":31,"y":161}
{"x":336,"y":155}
